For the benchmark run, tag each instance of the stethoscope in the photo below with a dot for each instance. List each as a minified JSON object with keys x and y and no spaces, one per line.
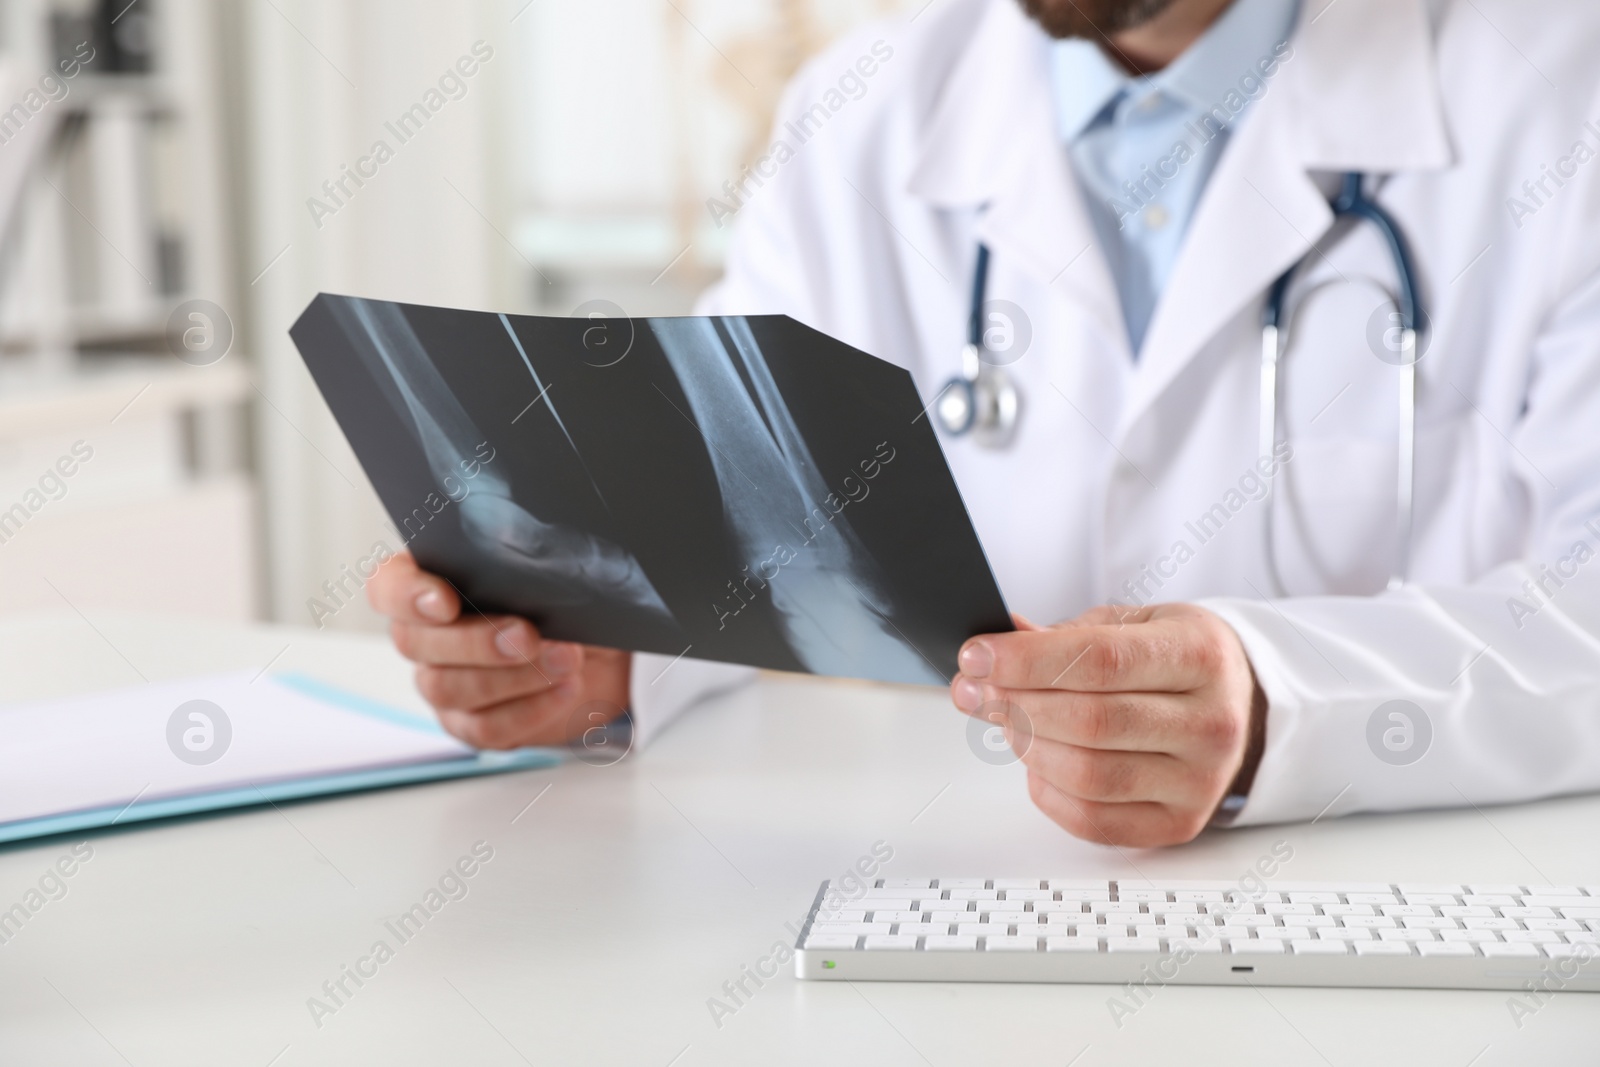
{"x":983,"y":400}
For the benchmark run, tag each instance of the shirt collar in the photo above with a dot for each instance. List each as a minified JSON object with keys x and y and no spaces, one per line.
{"x":1087,"y":83}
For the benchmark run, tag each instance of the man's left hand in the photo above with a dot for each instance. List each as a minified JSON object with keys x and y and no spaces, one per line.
{"x":1133,"y":723}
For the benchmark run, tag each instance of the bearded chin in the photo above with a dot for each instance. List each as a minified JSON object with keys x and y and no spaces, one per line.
{"x":1092,"y":19}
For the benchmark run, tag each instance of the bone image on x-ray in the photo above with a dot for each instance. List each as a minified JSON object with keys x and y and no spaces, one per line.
{"x":826,"y":599}
{"x":566,"y":565}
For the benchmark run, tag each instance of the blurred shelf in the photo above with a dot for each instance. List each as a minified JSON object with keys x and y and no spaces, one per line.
{"x":101,"y":391}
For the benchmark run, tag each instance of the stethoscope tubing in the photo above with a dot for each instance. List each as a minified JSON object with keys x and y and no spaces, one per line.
{"x":977,"y":409}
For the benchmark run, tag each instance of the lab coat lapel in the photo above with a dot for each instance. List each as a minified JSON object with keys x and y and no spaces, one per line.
{"x":1358,"y":93}
{"x":993,"y":145}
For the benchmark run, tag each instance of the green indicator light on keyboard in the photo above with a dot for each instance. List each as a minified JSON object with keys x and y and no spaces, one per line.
{"x":827,"y":965}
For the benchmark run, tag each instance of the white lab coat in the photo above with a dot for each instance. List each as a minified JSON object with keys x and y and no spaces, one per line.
{"x":869,"y":233}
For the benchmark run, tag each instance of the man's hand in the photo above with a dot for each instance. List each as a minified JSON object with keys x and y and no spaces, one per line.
{"x":1133,"y":724}
{"x":493,"y":680}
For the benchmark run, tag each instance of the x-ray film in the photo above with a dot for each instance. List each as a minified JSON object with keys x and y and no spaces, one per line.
{"x":742,"y":489}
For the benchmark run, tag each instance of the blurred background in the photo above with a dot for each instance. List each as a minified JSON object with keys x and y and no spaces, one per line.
{"x":179,"y":177}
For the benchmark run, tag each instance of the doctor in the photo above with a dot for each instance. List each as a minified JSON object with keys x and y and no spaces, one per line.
{"x":1270,"y":615}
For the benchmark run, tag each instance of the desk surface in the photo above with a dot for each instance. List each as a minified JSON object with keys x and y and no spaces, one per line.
{"x":201,"y":941}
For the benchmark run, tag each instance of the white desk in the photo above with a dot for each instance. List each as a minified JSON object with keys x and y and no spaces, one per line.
{"x":200,"y":941}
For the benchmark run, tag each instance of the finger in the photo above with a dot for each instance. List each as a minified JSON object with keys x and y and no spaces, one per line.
{"x":497,"y":641}
{"x":406,"y":592}
{"x":472,"y":688}
{"x":540,"y":719}
{"x":1023,"y":623}
{"x":1137,"y":825}
{"x":1110,"y":777}
{"x":1128,"y":722}
{"x":1163,"y":655}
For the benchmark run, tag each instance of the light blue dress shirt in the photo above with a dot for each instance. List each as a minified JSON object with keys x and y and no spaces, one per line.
{"x":1143,"y":148}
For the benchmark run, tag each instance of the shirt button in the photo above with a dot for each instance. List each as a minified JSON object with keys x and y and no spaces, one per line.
{"x":1150,"y":103}
{"x":1156,"y":216}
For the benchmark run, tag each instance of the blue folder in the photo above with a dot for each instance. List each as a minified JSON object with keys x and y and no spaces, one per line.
{"x":295,"y":788}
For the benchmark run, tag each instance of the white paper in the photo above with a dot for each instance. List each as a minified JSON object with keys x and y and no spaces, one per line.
{"x":111,"y":748}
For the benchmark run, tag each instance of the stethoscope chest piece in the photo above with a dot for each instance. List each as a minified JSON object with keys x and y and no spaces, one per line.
{"x":982,"y":402}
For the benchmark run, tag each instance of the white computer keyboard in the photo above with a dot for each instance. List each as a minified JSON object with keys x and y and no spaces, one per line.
{"x":1204,"y":933}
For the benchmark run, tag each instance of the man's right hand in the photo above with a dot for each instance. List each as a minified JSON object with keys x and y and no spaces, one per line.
{"x":493,"y":680}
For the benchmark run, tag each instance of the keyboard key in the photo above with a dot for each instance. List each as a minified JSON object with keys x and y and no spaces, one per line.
{"x":1496,"y":890}
{"x":1013,"y":918}
{"x":907,"y":883}
{"x":1551,"y":924}
{"x":972,"y":930}
{"x":1288,"y":933}
{"x":885,"y":904}
{"x":1395,"y":911}
{"x":1510,"y":951}
{"x":943,"y":943}
{"x":1169,"y":908}
{"x":1429,"y":922}
{"x":1250,"y":921}
{"x":1011,"y":944}
{"x":963,"y":883}
{"x":1419,"y":887}
{"x":1035,"y":884}
{"x":1586,"y":914}
{"x":1587,"y":937}
{"x":1554,"y":891}
{"x":1406,"y":935}
{"x":1314,"y":898}
{"x":841,"y":916}
{"x":851,"y":929}
{"x":1028,"y":894}
{"x":1133,"y":944}
{"x":1435,"y":899}
{"x":1469,"y":935}
{"x":1490,"y":924}
{"x":1471,"y":911}
{"x":1292,"y":908}
{"x":1072,"y":944}
{"x":924,"y":929}
{"x":1348,"y":909}
{"x":1527,"y":913}
{"x":895,"y":893}
{"x":1198,"y":896}
{"x":1384,"y":948}
{"x":948,"y":917}
{"x":973,"y":894}
{"x":1319,"y":947}
{"x":1368,"y":922}
{"x":898,"y":916}
{"x":890,"y":942}
{"x":1344,"y":933}
{"x":1371,"y":898}
{"x":830,"y":941}
{"x":1446,"y":948}
{"x":1560,"y":902}
{"x":1578,"y":952}
{"x":1077,"y":885}
{"x":1315,"y":921}
{"x":1074,"y":907}
{"x":1268,"y":947}
{"x":1491,"y":900}
{"x":1531,"y":937}
{"x":1144,"y":896}
{"x":1083,"y":894}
